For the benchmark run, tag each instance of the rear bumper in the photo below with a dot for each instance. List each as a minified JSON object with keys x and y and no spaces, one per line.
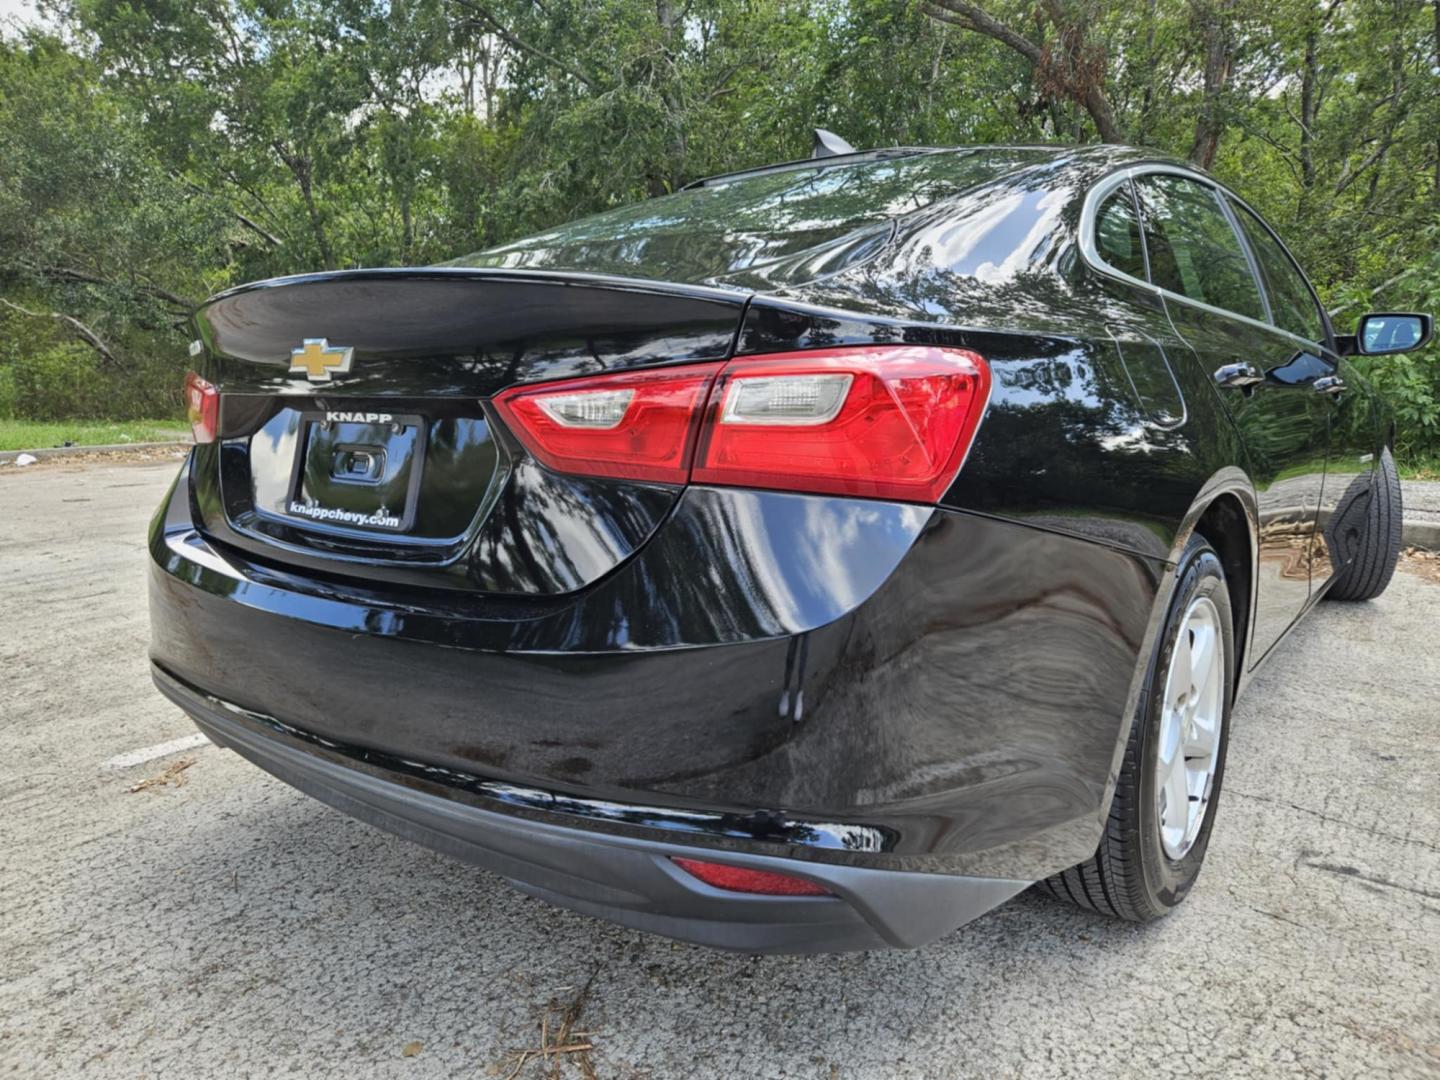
{"x":928,"y":697}
{"x":626,"y":880}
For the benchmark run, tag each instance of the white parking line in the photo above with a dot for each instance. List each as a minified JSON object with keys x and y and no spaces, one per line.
{"x":159,"y":750}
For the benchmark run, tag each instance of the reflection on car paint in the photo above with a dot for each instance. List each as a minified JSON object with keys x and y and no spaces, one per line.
{"x":955,"y":679}
{"x":1064,"y":640}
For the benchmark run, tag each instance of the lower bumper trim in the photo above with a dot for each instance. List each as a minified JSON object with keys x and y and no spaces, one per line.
{"x":622,"y":879}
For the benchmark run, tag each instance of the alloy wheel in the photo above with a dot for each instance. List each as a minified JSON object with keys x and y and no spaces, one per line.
{"x":1189,"y":745}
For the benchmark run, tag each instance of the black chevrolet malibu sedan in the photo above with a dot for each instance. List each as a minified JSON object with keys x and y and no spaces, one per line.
{"x":808,"y":560}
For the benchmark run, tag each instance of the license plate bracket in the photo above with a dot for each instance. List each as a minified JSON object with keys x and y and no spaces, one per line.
{"x":357,"y":471}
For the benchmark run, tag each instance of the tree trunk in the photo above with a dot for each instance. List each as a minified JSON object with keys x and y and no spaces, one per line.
{"x":300,"y":169}
{"x":407,"y":233}
{"x":1309,"y":79}
{"x":1219,"y":44}
{"x":1098,"y":106}
{"x":1068,"y":68}
{"x":668,"y":19}
{"x":1147,"y":100}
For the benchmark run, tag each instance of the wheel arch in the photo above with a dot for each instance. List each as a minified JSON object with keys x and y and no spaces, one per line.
{"x":1226,"y":514}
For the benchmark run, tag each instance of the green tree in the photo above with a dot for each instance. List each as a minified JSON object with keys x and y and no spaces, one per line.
{"x":99,"y":244}
{"x":157,"y":150}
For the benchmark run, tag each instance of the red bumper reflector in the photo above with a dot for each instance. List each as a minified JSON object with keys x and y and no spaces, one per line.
{"x":202,"y":408}
{"x":740,"y":879}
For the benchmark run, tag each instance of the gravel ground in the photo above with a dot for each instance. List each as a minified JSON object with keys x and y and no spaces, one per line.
{"x":214,"y":923}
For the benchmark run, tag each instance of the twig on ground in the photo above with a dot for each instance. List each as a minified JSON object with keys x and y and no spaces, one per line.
{"x":173,"y":774}
{"x":560,"y":1042}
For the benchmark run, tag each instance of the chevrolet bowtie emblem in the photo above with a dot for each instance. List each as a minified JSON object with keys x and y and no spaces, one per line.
{"x":318,"y":360}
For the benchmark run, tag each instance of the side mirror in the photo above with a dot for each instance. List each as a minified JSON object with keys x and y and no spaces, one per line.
{"x":1380,"y":333}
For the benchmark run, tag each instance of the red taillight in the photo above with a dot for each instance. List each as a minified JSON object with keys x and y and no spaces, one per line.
{"x":889,"y":421}
{"x":202,"y":407}
{"x":632,"y":426}
{"x":739,"y":879}
{"x":899,"y":430}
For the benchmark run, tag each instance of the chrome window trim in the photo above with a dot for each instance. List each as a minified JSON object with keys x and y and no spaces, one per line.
{"x":1090,"y":227}
{"x":1091,"y":255}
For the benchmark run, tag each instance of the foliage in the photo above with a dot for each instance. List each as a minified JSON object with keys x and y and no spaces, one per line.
{"x":154,"y":151}
{"x":40,"y":434}
{"x":61,"y":378}
{"x":1410,"y":383}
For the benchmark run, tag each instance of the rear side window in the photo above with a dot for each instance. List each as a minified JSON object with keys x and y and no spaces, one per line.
{"x":1117,"y":233}
{"x":1292,"y":304}
{"x":1193,"y":249}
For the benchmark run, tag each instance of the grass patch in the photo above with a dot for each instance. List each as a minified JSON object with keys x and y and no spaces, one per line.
{"x":41,"y":434}
{"x":1422,"y":468}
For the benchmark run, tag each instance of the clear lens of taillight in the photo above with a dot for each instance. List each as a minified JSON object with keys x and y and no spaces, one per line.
{"x":806,"y":400}
{"x":892,"y":421}
{"x":202,"y":408}
{"x":587,"y":409}
{"x":631,"y":426}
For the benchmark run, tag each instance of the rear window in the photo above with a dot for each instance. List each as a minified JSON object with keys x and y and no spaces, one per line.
{"x":1292,"y":304}
{"x":732,"y":226}
{"x":1117,"y":233}
{"x":1193,"y":249}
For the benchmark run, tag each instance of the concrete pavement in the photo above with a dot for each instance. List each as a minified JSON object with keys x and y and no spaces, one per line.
{"x":215,"y":923}
{"x":1421,"y":499}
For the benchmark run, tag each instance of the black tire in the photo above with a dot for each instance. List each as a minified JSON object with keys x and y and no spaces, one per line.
{"x":1364,"y":532}
{"x":1130,"y":876}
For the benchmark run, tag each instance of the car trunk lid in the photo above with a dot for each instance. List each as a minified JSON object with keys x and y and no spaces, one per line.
{"x":356,"y":436}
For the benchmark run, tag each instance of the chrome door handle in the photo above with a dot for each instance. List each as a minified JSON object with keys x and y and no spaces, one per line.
{"x":1237,"y":376}
{"x":1330,"y":384}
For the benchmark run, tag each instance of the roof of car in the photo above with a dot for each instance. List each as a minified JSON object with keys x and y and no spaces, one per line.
{"x":1118,"y":154}
{"x":789,"y":223}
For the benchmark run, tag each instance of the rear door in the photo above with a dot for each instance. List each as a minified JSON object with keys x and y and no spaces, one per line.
{"x":1344,"y":497}
{"x":1266,"y":377}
